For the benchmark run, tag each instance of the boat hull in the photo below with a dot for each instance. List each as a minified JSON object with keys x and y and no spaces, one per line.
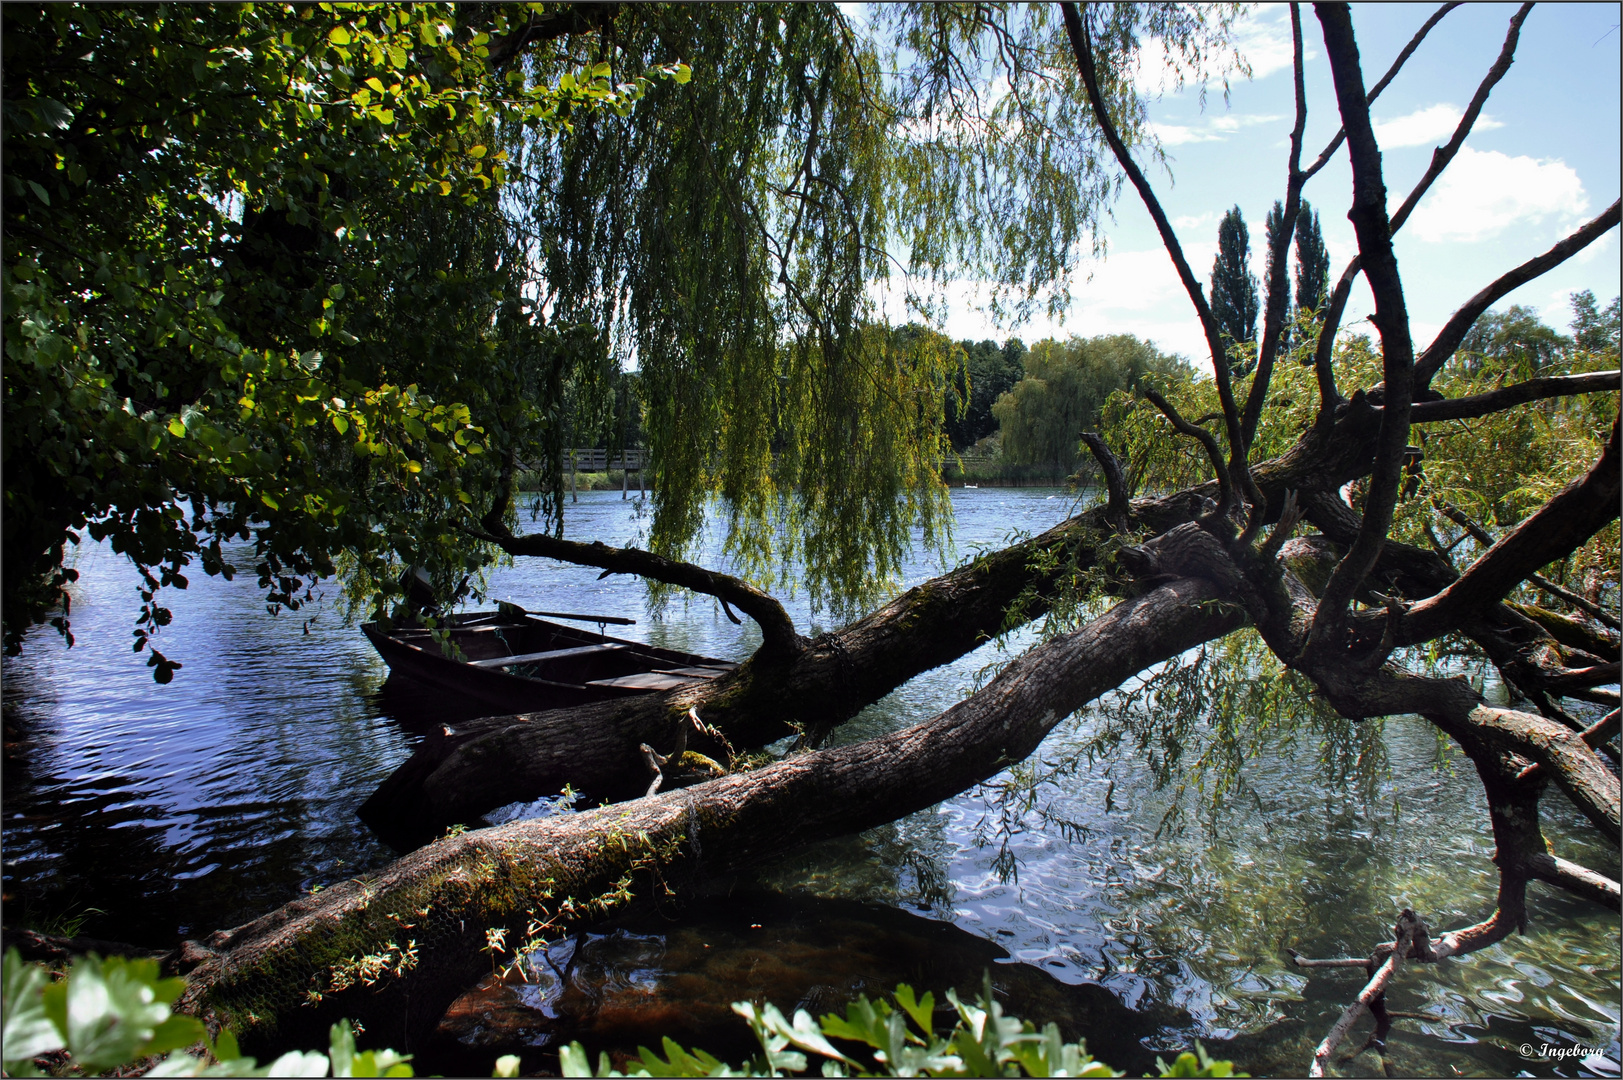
{"x":518,"y":663}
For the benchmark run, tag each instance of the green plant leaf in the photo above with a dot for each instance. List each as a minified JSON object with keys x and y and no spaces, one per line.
{"x":28,"y":1030}
{"x":572,"y":1060}
{"x":112,"y":1009}
{"x":299,"y":1063}
{"x":922,"y":1010}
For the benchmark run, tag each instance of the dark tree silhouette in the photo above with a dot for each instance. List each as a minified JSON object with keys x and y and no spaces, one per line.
{"x":1312,"y":261}
{"x":1234,"y":288}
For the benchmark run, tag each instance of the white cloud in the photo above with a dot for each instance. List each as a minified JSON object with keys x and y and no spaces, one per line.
{"x":1192,"y":222}
{"x":1262,"y":40}
{"x":1431,"y":126}
{"x":1178,"y":134}
{"x":1265,"y":42}
{"x":1484,"y":192}
{"x":1210,"y":129}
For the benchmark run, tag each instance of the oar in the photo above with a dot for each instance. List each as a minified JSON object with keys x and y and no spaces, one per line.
{"x":513,"y":609}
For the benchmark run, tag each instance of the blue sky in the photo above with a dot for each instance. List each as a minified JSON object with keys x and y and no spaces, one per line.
{"x":1542,"y":159}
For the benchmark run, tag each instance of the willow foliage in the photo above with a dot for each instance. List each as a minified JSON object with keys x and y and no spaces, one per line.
{"x":732,"y":236}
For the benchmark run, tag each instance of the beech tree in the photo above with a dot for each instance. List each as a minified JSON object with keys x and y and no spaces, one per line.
{"x":1257,"y":536}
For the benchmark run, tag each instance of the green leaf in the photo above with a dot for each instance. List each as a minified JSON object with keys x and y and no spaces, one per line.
{"x":341,"y":1041}
{"x":338,"y":35}
{"x":28,"y":1030}
{"x":572,"y":1060}
{"x":921,"y":1010}
{"x":175,"y":1033}
{"x":40,"y":192}
{"x":112,"y":1010}
{"x":299,"y":1063}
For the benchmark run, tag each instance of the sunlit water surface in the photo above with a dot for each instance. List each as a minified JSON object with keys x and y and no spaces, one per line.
{"x":152,"y":813}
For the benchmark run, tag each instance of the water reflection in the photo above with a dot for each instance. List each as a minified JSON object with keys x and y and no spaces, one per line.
{"x":181,"y":809}
{"x":675,"y":973}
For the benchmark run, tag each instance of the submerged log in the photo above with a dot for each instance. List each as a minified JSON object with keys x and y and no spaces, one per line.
{"x":393,"y":951}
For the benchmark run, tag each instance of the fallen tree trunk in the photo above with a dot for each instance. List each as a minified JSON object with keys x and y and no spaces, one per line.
{"x":395,"y":950}
{"x":455,"y":778}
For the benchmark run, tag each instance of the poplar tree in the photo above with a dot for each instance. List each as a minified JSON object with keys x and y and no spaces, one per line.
{"x":1312,"y":261}
{"x":1234,"y":290}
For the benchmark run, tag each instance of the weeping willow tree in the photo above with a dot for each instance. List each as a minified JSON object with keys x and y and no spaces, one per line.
{"x":731,"y":236}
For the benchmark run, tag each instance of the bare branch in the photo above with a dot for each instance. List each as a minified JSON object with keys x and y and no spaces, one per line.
{"x":1441,"y":157}
{"x":1324,"y":350}
{"x":1435,"y":355}
{"x":1169,"y":239}
{"x":1561,"y":526}
{"x":1115,"y":480}
{"x":1579,"y":880}
{"x":1375,"y":91}
{"x":1391,"y":318}
{"x":1505,"y":397}
{"x":1341,"y":962}
{"x":1214,"y":452}
{"x":1407,"y":929}
{"x":1273,"y":322}
{"x":779,"y":638}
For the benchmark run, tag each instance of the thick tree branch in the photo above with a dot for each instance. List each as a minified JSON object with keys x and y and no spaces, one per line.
{"x":576,"y":18}
{"x":1391,"y":318}
{"x":1578,"y":880}
{"x":1560,"y":527}
{"x":1507,"y":397}
{"x":1115,"y":480}
{"x":1448,"y":339}
{"x":1483,"y":537}
{"x":494,"y":761}
{"x":1562,"y":754}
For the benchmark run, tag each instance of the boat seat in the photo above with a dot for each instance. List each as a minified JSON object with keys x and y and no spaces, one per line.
{"x":699,"y":672}
{"x":646,"y":680}
{"x":550,"y":654}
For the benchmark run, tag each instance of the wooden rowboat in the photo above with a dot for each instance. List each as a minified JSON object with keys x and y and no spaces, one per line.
{"x":515,"y":662}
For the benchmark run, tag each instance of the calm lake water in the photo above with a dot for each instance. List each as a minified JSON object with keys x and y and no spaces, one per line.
{"x":153,"y":813}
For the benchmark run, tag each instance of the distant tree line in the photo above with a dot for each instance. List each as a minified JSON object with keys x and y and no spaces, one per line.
{"x":1041,"y":399}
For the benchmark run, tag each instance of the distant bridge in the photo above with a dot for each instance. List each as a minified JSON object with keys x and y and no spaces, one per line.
{"x":579,"y":460}
{"x":600,"y":460}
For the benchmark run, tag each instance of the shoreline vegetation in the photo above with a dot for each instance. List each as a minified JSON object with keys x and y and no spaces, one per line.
{"x":971,"y":472}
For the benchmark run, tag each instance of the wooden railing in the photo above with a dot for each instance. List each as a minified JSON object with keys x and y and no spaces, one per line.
{"x":581,"y":460}
{"x":599,"y":460}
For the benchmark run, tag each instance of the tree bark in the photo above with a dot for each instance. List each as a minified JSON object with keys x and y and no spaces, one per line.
{"x":282,"y":979}
{"x":492,"y":762}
